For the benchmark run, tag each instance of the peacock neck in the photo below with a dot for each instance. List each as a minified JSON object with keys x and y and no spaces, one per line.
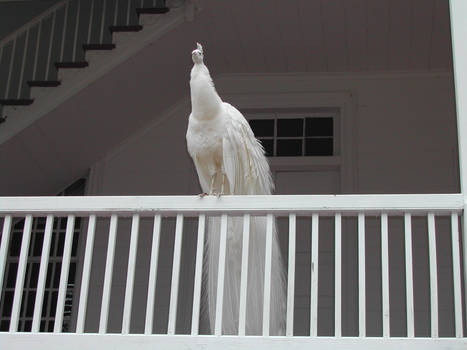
{"x":205,"y":102}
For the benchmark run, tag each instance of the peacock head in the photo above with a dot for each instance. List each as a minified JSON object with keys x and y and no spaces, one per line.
{"x":197,"y":54}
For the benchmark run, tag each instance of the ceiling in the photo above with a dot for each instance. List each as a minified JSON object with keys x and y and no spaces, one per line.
{"x":241,"y":36}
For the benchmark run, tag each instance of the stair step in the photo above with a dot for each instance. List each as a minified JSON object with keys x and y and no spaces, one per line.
{"x":152,"y":10}
{"x":133,"y":28}
{"x":16,"y":101}
{"x":44,"y":83}
{"x":98,"y":47}
{"x":81,"y":64}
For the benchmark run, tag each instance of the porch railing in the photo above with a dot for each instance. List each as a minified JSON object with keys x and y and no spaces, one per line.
{"x":182,"y":208}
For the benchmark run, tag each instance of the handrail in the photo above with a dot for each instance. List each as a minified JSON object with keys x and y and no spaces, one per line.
{"x":32,"y":22}
{"x":193,"y":205}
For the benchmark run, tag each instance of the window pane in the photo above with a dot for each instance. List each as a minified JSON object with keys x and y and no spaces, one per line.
{"x":289,"y":148}
{"x":268,"y":145}
{"x":319,"y":147}
{"x":319,"y":127}
{"x":262,"y":127}
{"x":289,"y":127}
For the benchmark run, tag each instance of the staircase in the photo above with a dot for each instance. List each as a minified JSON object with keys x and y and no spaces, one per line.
{"x":69,"y":46}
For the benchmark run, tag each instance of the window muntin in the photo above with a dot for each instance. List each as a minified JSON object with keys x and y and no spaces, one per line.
{"x":296,"y":135}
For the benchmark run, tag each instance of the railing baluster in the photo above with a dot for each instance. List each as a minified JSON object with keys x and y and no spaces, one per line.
{"x":221,"y":275}
{"x":42,"y":274}
{"x":6,"y":231}
{"x":456,"y":273}
{"x":130,"y":277}
{"x":49,"y":54}
{"x":12,"y":58}
{"x":109,"y":265}
{"x":78,"y":10}
{"x":91,"y":17}
{"x":198,"y":275}
{"x":128,"y":13}
{"x":338,"y":276}
{"x":314,"y":275}
{"x":175,"y":275}
{"x":267,"y":275}
{"x":83,"y":296}
{"x":385,"y":274}
{"x":36,"y":55}
{"x":70,"y":225}
{"x":65,"y":20}
{"x":291,"y":275}
{"x":409,"y":276}
{"x":244,"y":274}
{"x":361,"y":276}
{"x":115,"y":13}
{"x":23,"y":260}
{"x":23,"y":62}
{"x":104,"y":7}
{"x":433,"y":275}
{"x":152,"y":275}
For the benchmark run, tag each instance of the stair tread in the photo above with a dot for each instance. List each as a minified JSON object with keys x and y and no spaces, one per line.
{"x":151,"y":10}
{"x":16,"y":101}
{"x":44,"y":83}
{"x":79,"y":64}
{"x":131,"y":28}
{"x":98,"y":46}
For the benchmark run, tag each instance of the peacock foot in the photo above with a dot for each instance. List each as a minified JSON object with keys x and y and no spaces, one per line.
{"x":202,"y":195}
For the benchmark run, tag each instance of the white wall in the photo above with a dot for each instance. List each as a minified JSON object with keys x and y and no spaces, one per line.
{"x":404,"y":142}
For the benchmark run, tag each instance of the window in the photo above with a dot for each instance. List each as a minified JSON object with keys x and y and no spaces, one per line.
{"x":32,"y":270}
{"x":296,"y":134}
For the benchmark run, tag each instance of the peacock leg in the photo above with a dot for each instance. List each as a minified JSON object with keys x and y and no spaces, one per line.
{"x":211,"y":188}
{"x":222,"y":185}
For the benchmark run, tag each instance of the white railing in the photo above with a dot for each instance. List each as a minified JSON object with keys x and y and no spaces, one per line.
{"x":316,"y":209}
{"x":58,"y":35}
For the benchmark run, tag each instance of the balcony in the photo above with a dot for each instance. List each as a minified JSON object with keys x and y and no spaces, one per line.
{"x":382,"y":250}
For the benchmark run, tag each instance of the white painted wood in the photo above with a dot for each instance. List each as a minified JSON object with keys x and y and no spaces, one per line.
{"x":75,"y":37}
{"x":70,"y":225}
{"x":128,"y":13}
{"x":456,"y":274}
{"x":433,"y":275}
{"x":23,"y":61}
{"x":91,"y":17}
{"x":338,"y":276}
{"x":104,"y":6}
{"x":291,"y":275}
{"x":409,"y":276}
{"x":65,"y":21}
{"x":109,"y":265}
{"x":115,"y":13}
{"x":192,"y":205}
{"x":221,"y":275}
{"x":458,"y":13}
{"x":152,"y":275}
{"x":175,"y":275}
{"x":23,"y":259}
{"x":5,"y":243}
{"x":361,"y":276}
{"x":244,"y":274}
{"x":314,"y":275}
{"x":36,"y":320}
{"x":267,"y":275}
{"x":38,"y":40}
{"x":385,"y":275}
{"x":83,"y":296}
{"x":10,"y":69}
{"x":198,"y":275}
{"x":49,"y":54}
{"x":25,"y":341}
{"x":130,"y":275}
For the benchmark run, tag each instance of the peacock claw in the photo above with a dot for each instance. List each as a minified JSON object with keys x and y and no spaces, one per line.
{"x":202,"y":195}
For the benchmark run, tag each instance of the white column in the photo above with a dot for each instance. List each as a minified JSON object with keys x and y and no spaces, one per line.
{"x":459,"y":55}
